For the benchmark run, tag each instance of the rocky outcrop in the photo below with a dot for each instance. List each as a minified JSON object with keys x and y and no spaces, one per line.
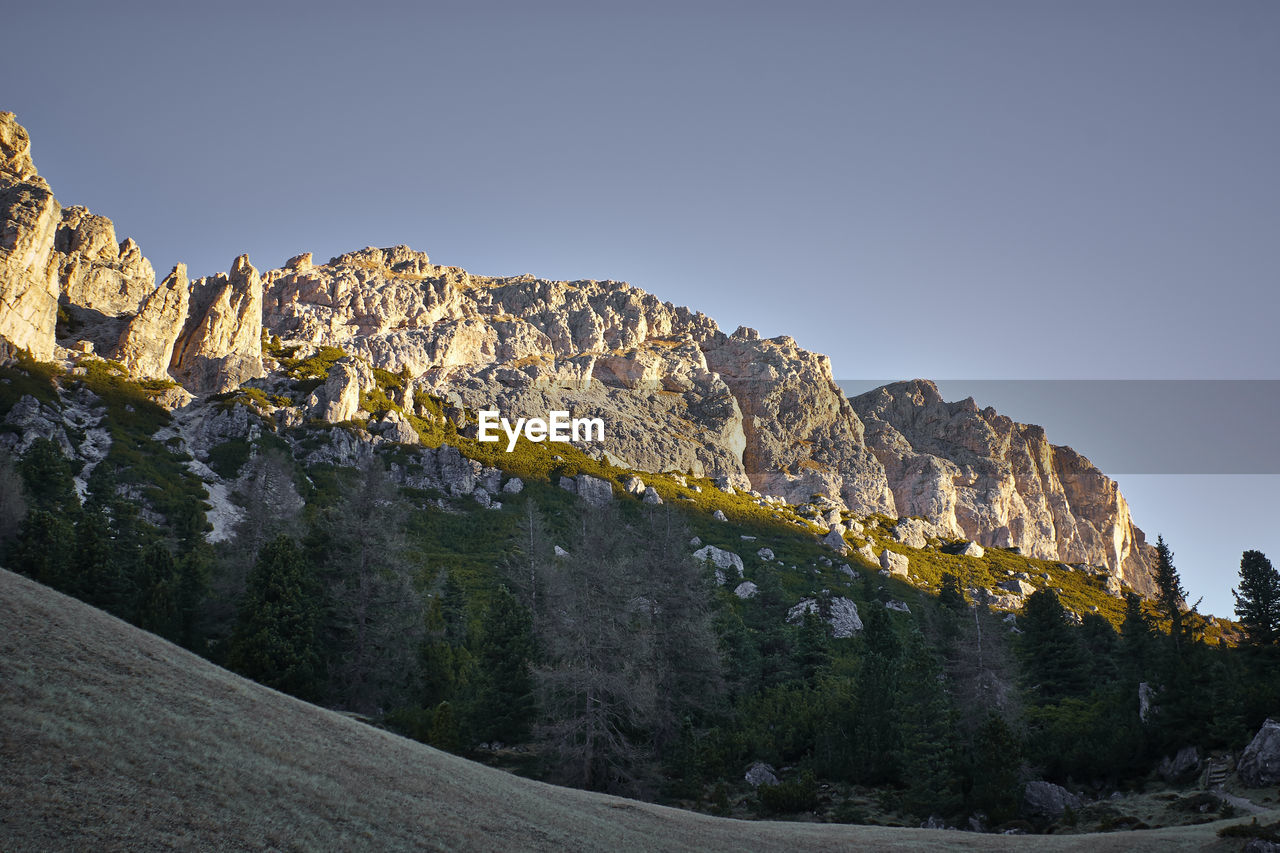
{"x":800,"y":435}
{"x":1180,"y":767}
{"x":146,"y":344}
{"x":894,"y":563}
{"x":1259,"y":765}
{"x":221,"y":345}
{"x":29,"y":217}
{"x":51,"y":256}
{"x":979,"y":475}
{"x":840,"y":613}
{"x":1047,"y":800}
{"x":338,"y":400}
{"x":100,"y":277}
{"x":723,"y":561}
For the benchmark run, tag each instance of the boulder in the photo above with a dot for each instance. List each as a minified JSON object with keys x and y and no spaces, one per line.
{"x":843,"y":618}
{"x":765,"y":554}
{"x":894,"y":563}
{"x":593,"y":490}
{"x":760,"y":774}
{"x":746,"y":589}
{"x":719,"y":515}
{"x":695,"y":542}
{"x":722,"y":560}
{"x":867,"y":554}
{"x":1181,"y":767}
{"x":514,"y":486}
{"x":395,"y":427}
{"x":1047,"y":800}
{"x":835,"y":540}
{"x":651,"y":496}
{"x":634,"y":486}
{"x":912,"y":532}
{"x":560,"y":552}
{"x":1017,"y":586}
{"x":1259,"y":765}
{"x":899,"y":606}
{"x":845,"y":621}
{"x":972,"y":549}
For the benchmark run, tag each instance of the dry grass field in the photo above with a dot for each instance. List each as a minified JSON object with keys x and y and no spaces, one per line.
{"x":112,"y":739}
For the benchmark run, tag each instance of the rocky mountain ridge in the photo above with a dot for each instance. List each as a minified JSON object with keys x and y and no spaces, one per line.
{"x":676,"y":392}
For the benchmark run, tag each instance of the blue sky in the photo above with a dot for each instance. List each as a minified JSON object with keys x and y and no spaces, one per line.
{"x":975,"y":190}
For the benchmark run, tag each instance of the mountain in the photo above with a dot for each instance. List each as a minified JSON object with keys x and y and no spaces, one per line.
{"x":676,"y":393}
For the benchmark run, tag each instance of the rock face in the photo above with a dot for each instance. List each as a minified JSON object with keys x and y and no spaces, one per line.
{"x":221,"y":345}
{"x":977,"y":474}
{"x":676,"y":394}
{"x":28,"y":273}
{"x":338,"y":399}
{"x":146,"y":344}
{"x":1259,"y":766}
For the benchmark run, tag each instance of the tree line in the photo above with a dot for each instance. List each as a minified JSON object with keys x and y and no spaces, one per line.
{"x":616,"y":663}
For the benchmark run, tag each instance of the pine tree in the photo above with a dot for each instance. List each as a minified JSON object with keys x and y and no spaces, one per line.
{"x":1169,"y":591}
{"x":155,"y":608}
{"x":1053,"y":660}
{"x":503,"y":708}
{"x":1258,"y":599}
{"x":993,"y":766}
{"x":926,"y":727}
{"x":276,"y":641}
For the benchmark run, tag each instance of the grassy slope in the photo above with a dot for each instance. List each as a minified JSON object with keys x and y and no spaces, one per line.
{"x":111,"y":738}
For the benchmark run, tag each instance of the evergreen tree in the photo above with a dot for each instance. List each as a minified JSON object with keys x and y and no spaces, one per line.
{"x":1137,"y":639}
{"x":13,"y":499}
{"x":928,"y":762}
{"x":1258,"y":599}
{"x":813,"y":646}
{"x":1053,"y":661}
{"x":1169,"y":591}
{"x":276,"y":640}
{"x":48,"y":479}
{"x":156,"y":605}
{"x":503,"y":708}
{"x":993,"y":766}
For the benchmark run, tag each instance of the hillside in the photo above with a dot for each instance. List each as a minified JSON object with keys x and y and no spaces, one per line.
{"x":114,"y":739}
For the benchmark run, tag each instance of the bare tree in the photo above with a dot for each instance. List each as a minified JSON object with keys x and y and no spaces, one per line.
{"x":377,"y":613}
{"x":596,"y":687}
{"x":271,"y":507}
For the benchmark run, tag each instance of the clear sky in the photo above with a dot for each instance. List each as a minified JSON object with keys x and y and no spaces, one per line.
{"x":982,"y":190}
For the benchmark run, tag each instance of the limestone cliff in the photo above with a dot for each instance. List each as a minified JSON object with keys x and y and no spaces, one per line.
{"x":676,"y":392}
{"x":979,"y":475}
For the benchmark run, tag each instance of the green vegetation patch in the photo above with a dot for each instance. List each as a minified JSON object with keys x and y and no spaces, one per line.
{"x":28,"y":376}
{"x":228,"y":458}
